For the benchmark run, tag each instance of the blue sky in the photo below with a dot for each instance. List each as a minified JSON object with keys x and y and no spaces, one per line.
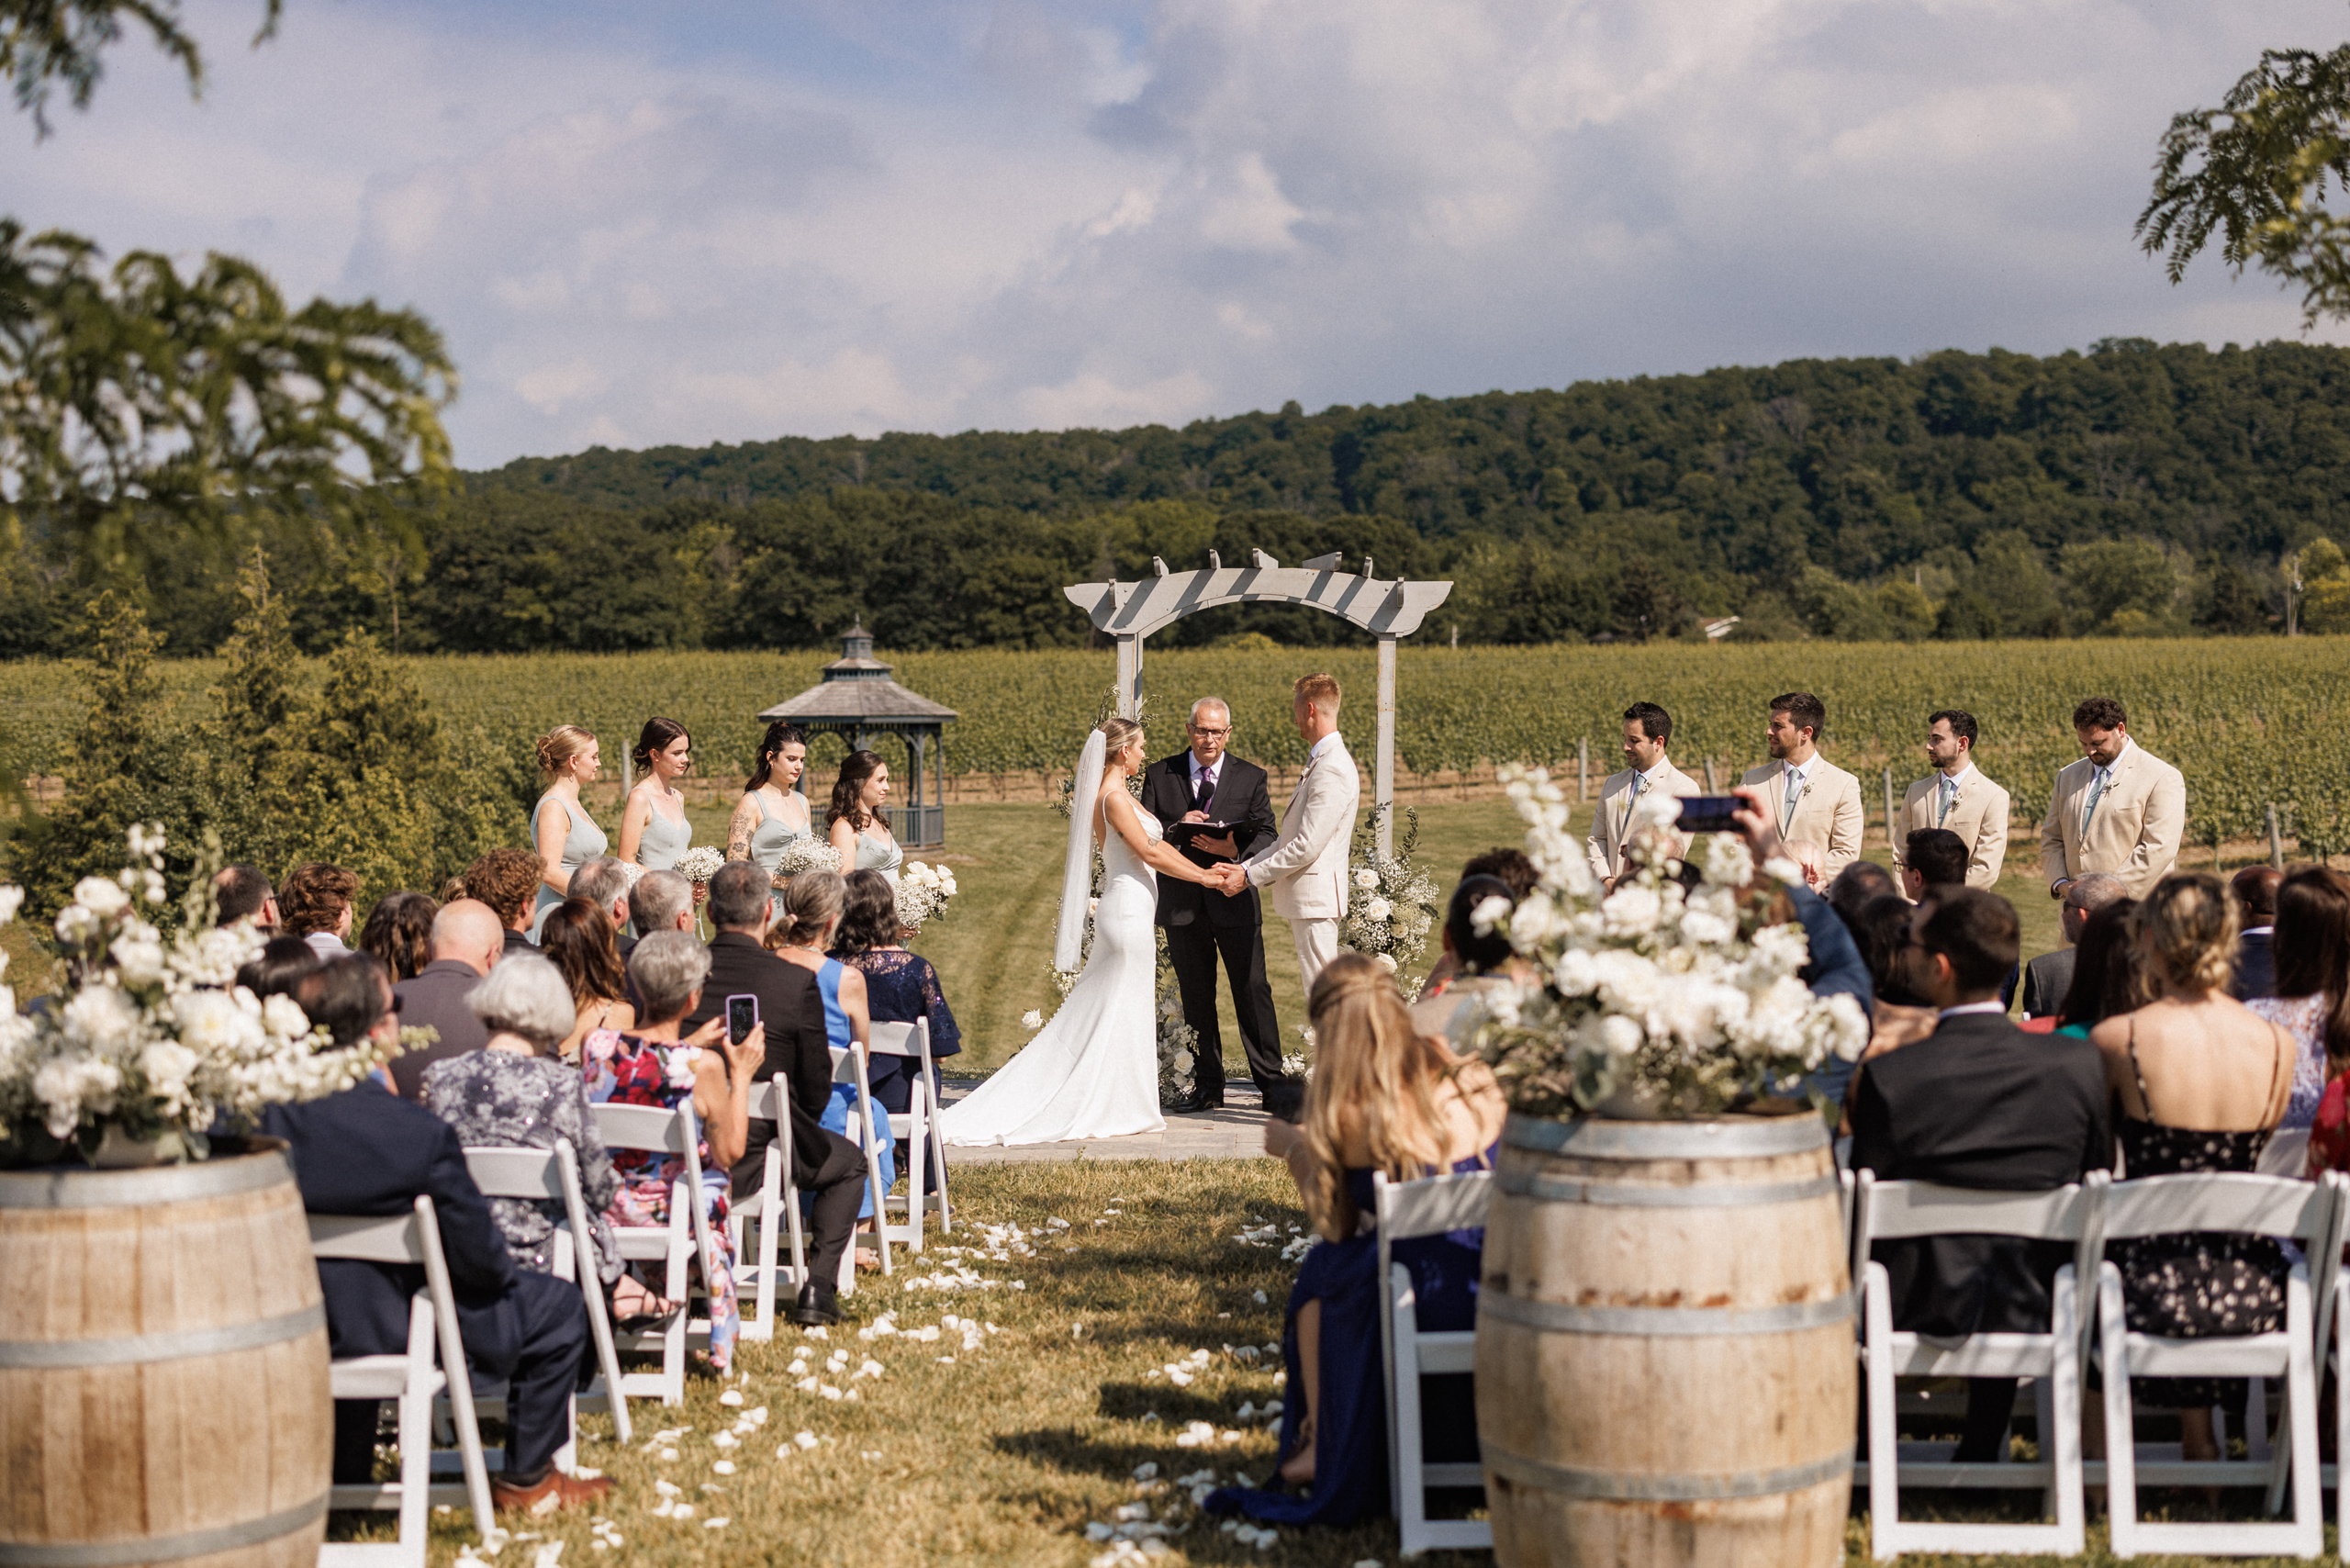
{"x":698,"y":221}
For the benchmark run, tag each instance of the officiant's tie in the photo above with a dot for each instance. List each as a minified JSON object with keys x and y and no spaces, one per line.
{"x":1205,"y":793}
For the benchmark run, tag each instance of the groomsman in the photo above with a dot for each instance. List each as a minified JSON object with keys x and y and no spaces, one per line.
{"x":1307,"y":868}
{"x":1957,"y":798}
{"x":1206,"y":783}
{"x":1647,"y":729}
{"x":1806,"y":795}
{"x":2120,"y":808}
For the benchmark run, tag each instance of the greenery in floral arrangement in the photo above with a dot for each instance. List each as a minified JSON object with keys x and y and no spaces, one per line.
{"x":1393,"y":906}
{"x":1676,"y":996}
{"x":151,"y":1039}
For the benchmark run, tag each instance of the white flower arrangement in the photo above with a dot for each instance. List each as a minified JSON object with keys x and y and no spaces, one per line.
{"x":922,"y":892}
{"x":152,"y":1042}
{"x":1669,"y":997}
{"x":1394,"y":906}
{"x":806,"y":853}
{"x":700,"y":863}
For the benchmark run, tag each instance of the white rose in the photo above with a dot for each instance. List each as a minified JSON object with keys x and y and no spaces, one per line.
{"x":1575,"y":975}
{"x":1377,"y":909}
{"x":1632,"y":911}
{"x":1366,"y":877}
{"x":215,"y":1022}
{"x":1530,"y":921}
{"x":168,"y":1065}
{"x":1385,"y":961}
{"x":1032,"y":1019}
{"x":102,"y":896}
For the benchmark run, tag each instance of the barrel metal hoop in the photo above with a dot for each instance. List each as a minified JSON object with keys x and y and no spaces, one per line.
{"x":162,"y":1549}
{"x":143,"y":1189}
{"x":1619,"y":1487}
{"x":1666,"y":1322}
{"x":1621,"y":1195}
{"x":49,"y":1355}
{"x":1591,"y":1138}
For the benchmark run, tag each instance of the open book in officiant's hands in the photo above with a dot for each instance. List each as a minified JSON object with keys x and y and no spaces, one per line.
{"x":1181,"y":833}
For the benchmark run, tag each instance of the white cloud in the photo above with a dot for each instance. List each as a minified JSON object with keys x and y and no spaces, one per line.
{"x":729,"y":223}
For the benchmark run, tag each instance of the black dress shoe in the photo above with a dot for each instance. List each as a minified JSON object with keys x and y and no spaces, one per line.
{"x":818,"y":1305}
{"x":1190,"y":1105}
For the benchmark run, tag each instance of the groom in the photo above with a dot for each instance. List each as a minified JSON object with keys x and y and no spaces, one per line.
{"x":1306,"y":867}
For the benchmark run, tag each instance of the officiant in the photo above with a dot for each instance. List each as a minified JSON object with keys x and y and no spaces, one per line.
{"x":1207,"y":786}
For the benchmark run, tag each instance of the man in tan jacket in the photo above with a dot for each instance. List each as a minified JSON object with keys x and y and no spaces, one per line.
{"x":1957,"y":798}
{"x":2119,"y":810}
{"x":1806,"y":795}
{"x":1647,"y":728}
{"x":1305,"y":869}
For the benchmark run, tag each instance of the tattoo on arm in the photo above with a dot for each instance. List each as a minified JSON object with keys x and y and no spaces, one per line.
{"x":738,"y":832}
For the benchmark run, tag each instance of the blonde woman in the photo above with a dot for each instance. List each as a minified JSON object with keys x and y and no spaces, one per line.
{"x":1092,"y":1071}
{"x":654,"y":830}
{"x":772,"y":813}
{"x":567,"y":838}
{"x":1382,"y":1097}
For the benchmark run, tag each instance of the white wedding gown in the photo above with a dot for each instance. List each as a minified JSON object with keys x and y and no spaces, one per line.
{"x":1092,"y":1072}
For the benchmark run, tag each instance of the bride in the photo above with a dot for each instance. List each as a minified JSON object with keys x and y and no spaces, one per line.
{"x":1094,"y":1070}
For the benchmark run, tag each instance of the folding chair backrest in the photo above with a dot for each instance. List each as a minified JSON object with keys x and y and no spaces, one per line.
{"x":900,"y":1039}
{"x":844,"y":1064}
{"x":389,"y":1238}
{"x":504,"y":1172}
{"x":644,"y":1129}
{"x":1898,"y":1209}
{"x":768,"y":1100}
{"x":1432,"y":1206}
{"x":2276,"y":1206}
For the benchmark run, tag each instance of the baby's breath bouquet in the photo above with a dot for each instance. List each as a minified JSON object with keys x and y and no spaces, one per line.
{"x":806,"y":853}
{"x":1392,"y":906}
{"x":1665,"y":998}
{"x":151,"y":1042}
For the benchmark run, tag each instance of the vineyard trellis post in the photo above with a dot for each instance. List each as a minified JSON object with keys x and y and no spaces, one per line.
{"x":1389,"y":610}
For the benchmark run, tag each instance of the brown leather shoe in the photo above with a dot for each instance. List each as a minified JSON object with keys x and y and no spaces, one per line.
{"x":551,"y":1492}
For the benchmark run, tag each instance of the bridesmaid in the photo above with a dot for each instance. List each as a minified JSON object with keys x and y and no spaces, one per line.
{"x":859,"y":820}
{"x":569,"y":838}
{"x":763,"y":826}
{"x":654,"y":830}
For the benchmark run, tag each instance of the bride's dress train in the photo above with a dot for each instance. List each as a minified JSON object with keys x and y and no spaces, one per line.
{"x":1092,"y":1072}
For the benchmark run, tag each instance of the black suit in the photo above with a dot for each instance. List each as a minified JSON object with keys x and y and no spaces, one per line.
{"x":519,"y":942}
{"x":1203,"y":925}
{"x":367,"y":1151}
{"x":2256,"y":965}
{"x":800,"y":1057}
{"x":2046,"y":980}
{"x":1981,"y":1104}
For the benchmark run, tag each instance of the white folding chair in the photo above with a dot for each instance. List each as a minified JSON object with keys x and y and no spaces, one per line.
{"x":865,"y":1131}
{"x":1404,"y":1210}
{"x":770,"y":1101}
{"x":552,"y":1174}
{"x":917,"y":1127}
{"x":649,"y":1129}
{"x":2304,"y":1212}
{"x":1884,"y":1211}
{"x":412,"y":1380}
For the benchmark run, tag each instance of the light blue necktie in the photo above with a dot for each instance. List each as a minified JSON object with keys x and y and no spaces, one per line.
{"x":1787,"y":805}
{"x":1631,"y":803}
{"x":1950,"y":799}
{"x":2097,"y":792}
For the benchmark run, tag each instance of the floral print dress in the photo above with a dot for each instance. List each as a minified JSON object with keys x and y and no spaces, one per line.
{"x":507,"y":1100}
{"x":624,"y":1069}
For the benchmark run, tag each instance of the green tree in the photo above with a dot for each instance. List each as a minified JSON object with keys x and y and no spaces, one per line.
{"x":2325,"y":587}
{"x":1836,"y":609}
{"x":2107,"y":578}
{"x":1908,"y":613}
{"x":1967,"y":617}
{"x":2009,"y":574}
{"x":2232,"y":604}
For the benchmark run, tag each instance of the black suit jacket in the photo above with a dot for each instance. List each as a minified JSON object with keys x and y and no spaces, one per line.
{"x":799,"y":1050}
{"x":517,"y":942}
{"x":367,"y":1151}
{"x":2256,"y":965}
{"x":435,"y":998}
{"x":1240,"y":798}
{"x":2046,"y":980}
{"x":1980,"y":1103}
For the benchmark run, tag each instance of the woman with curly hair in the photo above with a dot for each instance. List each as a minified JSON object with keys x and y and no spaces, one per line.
{"x":400,"y":931}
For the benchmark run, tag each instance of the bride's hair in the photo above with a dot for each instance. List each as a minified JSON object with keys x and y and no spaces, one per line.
{"x":1374,"y":1070}
{"x":1117,"y":735}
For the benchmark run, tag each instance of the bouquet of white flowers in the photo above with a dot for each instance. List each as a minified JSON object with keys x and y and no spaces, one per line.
{"x":699,"y":863}
{"x":152,"y":1042}
{"x":806,"y":853}
{"x":922,"y":892}
{"x":1391,"y":907}
{"x":1664,"y":998}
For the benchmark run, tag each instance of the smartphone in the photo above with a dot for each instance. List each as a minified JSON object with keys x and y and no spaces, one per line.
{"x":1708,"y":813}
{"x":742,"y":1016}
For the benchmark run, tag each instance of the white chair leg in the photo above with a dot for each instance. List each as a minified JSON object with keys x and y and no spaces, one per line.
{"x":1885,"y":1437}
{"x":1412,"y":1500}
{"x":2120,"y":1435}
{"x":2300,"y":1416}
{"x":2060,"y":1428}
{"x":677,"y":1288}
{"x":938,"y":1152}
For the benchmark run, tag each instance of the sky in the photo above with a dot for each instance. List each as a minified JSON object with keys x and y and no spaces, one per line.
{"x":692,"y":221}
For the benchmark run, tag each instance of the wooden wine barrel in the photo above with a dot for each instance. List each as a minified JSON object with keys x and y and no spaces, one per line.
{"x":1664,"y":1346}
{"x":162,"y":1368}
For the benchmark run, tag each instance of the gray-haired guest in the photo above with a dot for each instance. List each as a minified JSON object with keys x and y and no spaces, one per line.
{"x":2047,"y":978}
{"x":515,"y":1092}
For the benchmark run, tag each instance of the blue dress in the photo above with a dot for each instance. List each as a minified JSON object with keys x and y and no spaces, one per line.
{"x":901,"y":987}
{"x":1351,"y":1439}
{"x":843,"y":1099}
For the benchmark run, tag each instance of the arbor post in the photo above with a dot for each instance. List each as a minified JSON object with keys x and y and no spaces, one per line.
{"x":1383,"y":799}
{"x":1129,"y":674}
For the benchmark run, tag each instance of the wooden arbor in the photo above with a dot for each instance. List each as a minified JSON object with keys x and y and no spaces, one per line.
{"x":1131,"y":611}
{"x":857,"y":700}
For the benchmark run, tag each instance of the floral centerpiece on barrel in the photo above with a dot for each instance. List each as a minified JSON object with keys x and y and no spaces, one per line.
{"x":1664,"y":1338}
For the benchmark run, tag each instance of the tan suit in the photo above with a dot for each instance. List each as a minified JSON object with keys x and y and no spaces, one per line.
{"x":1604,"y":848}
{"x":1979,"y":816}
{"x":1307,"y":868}
{"x":1828,"y":812}
{"x":2140,"y":821}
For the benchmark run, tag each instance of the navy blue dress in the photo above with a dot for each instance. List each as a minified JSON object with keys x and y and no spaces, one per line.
{"x":901,"y":987}
{"x":1351,"y":1439}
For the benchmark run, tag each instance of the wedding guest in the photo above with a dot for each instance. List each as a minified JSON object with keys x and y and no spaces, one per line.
{"x":2202,"y":1083}
{"x":1856,"y":887}
{"x":365,"y":1151}
{"x":772,"y":813}
{"x":515,"y":1092}
{"x":2120,"y":808}
{"x":400,"y":931}
{"x":661,"y":901}
{"x":315,"y":904}
{"x":505,"y":880}
{"x":281,"y":961}
{"x":604,"y":883}
{"x":243,"y":892}
{"x":1933,"y":858}
{"x":1805,"y":795}
{"x":578,"y":937}
{"x":451,"y":889}
{"x":1382,"y":1097}
{"x":467,"y":942}
{"x":2311,"y":998}
{"x":1976,"y":1104}
{"x":858,"y":822}
{"x":798,"y":1058}
{"x":1648,"y":729}
{"x":2106,"y":977}
{"x":566,"y":838}
{"x":2048,"y":977}
{"x":803,"y":934}
{"x":1510,"y":866}
{"x":1958,"y":800}
{"x":657,"y":1064}
{"x":654,"y":830}
{"x":2254,"y":890}
{"x":900,"y":988}
{"x":1901,"y":1014}
{"x":1474,"y":964}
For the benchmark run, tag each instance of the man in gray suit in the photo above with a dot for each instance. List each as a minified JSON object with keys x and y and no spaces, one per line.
{"x":2047,"y":978}
{"x":467,"y":941}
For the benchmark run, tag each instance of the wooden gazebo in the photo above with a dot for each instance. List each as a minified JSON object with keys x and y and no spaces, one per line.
{"x":857,"y":700}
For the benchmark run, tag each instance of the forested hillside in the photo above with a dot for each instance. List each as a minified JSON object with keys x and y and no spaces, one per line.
{"x":2133,"y":489}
